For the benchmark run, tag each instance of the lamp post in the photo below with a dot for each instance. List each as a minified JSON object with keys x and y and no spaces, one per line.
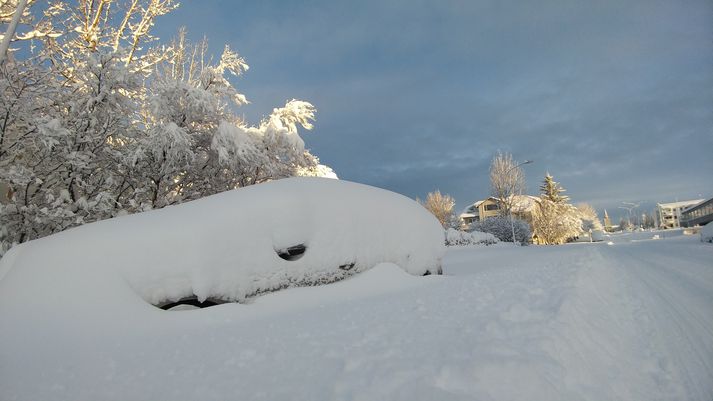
{"x":629,"y":206}
{"x":512,"y":223}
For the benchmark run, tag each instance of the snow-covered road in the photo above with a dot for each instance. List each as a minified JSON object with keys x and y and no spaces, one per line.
{"x":628,"y":321}
{"x":672,"y":301}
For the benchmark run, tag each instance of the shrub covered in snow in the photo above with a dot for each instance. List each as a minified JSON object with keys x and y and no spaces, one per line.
{"x":456,"y":237}
{"x":502,"y":228}
{"x":226,"y":247}
{"x":117,"y":123}
{"x":707,"y":233}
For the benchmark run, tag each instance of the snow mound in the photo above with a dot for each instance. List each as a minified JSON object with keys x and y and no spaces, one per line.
{"x":227,"y":247}
{"x":707,"y":233}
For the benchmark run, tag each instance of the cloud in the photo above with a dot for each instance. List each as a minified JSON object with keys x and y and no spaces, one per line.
{"x":613,"y":98}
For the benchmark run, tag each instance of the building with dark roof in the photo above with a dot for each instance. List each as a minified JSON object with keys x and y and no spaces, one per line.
{"x":698,"y":215}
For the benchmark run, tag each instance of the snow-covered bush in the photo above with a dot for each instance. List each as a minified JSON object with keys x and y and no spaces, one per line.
{"x":502,"y":228}
{"x":459,"y":238}
{"x":707,"y":233}
{"x":97,"y":122}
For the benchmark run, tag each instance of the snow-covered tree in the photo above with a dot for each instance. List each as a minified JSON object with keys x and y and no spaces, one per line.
{"x":441,"y":206}
{"x":60,"y":152}
{"x":555,"y":223}
{"x":99,"y":120}
{"x":69,"y":117}
{"x":589,"y":218}
{"x":554,"y":220}
{"x":507,"y":180}
{"x":315,"y":169}
{"x":552,"y":190}
{"x":625,"y":224}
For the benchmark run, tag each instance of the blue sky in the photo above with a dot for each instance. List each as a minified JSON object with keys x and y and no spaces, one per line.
{"x":613,"y":98}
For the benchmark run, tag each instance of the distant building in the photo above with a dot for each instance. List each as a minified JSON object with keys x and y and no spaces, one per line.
{"x":480,"y":210}
{"x":669,"y":214}
{"x":490,"y":207}
{"x":698,"y":215}
{"x":607,"y":222}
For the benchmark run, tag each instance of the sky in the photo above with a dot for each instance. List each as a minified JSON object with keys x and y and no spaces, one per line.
{"x":612,"y":98}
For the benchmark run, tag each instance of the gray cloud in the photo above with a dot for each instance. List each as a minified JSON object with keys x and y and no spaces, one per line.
{"x":613,"y":98}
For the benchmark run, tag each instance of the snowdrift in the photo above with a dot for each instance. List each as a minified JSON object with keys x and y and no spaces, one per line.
{"x":227,"y":247}
{"x":707,"y":233}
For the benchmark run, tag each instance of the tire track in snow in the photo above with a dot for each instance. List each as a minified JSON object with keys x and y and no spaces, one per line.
{"x":677,"y":309}
{"x":598,"y":336}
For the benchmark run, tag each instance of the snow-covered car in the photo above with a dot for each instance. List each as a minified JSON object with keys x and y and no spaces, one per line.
{"x":224,"y":248}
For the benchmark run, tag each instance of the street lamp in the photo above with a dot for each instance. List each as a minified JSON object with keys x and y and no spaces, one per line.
{"x":512,"y":223}
{"x":629,"y":206}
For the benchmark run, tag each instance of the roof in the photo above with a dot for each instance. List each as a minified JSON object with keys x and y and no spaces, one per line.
{"x":681,"y":203}
{"x":522,"y":203}
{"x":473,"y":208}
{"x":698,"y":206}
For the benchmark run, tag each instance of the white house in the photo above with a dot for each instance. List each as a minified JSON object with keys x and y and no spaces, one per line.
{"x":670,"y":213}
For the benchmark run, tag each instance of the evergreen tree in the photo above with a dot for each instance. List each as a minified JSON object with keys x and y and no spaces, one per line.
{"x":554,"y":220}
{"x":552,"y":190}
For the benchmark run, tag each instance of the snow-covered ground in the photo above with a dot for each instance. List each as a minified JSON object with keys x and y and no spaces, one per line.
{"x":629,"y":320}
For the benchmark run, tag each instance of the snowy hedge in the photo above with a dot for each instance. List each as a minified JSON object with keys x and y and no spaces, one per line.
{"x":456,"y":237}
{"x":502,"y":228}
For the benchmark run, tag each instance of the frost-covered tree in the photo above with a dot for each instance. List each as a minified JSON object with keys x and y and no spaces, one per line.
{"x":441,"y":206}
{"x":554,"y":220}
{"x":552,"y":190}
{"x":69,"y":118}
{"x":98,"y":119}
{"x":315,"y":169}
{"x":625,"y":224}
{"x":60,"y":152}
{"x":502,"y":227}
{"x":507,"y":180}
{"x":590,"y":219}
{"x":555,"y":223}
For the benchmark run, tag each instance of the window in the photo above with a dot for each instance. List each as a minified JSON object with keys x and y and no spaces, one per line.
{"x":491,"y":207}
